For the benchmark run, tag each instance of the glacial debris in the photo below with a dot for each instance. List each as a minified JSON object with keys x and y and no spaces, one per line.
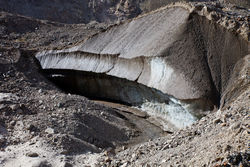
{"x":184,"y":50}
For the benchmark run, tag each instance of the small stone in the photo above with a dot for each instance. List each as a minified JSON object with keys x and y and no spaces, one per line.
{"x":67,"y":164}
{"x":109,"y":152}
{"x":49,"y":131}
{"x":2,"y":141}
{"x":124,"y":165}
{"x":32,"y":154}
{"x":235,"y":159}
{"x":40,"y":91}
{"x":227,"y":148}
{"x":216,"y":121}
{"x":31,"y":128}
{"x":13,"y":123}
{"x":124,"y":148}
{"x":55,"y":140}
{"x":133,"y":155}
{"x":60,"y":105}
{"x":223,"y":124}
{"x":41,"y":163}
{"x":235,"y":126}
{"x":107,"y":159}
{"x":14,"y":107}
{"x":165,"y":147}
{"x":228,"y":115}
{"x":64,"y":152}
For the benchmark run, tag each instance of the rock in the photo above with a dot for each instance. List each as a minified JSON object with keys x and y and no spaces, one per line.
{"x":32,"y":128}
{"x":49,"y":131}
{"x":110,"y":152}
{"x":32,"y":154}
{"x":235,"y":126}
{"x":228,"y":115}
{"x":165,"y":147}
{"x":40,"y":91}
{"x":107,"y":159}
{"x":60,"y":105}
{"x":124,"y":148}
{"x":124,"y":164}
{"x":235,"y":159}
{"x":41,"y":163}
{"x":13,"y":123}
{"x":223,"y":124}
{"x":2,"y":141}
{"x":67,"y":164}
{"x":227,"y":148}
{"x":8,"y":97}
{"x":14,"y":107}
{"x":134,"y":157}
{"x":216,"y":121}
{"x":164,"y":161}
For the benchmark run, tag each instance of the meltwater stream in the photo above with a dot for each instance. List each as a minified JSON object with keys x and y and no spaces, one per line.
{"x":169,"y":112}
{"x":173,"y":114}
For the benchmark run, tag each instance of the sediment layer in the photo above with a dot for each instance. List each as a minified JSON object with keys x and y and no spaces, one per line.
{"x":183,"y":50}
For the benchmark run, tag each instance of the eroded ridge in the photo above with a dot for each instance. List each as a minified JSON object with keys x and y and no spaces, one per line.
{"x":175,"y":50}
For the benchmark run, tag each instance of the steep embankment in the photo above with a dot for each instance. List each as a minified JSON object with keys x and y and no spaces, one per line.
{"x":85,"y":11}
{"x":174,"y":50}
{"x":42,"y":126}
{"x":73,"y":11}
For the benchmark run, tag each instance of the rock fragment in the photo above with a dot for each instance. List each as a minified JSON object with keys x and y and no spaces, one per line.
{"x":32,"y":154}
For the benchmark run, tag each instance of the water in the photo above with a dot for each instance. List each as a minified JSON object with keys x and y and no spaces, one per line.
{"x":173,"y":114}
{"x":169,"y":112}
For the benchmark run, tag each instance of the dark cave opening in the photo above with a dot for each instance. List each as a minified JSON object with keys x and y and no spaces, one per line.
{"x":103,"y":87}
{"x":117,"y":90}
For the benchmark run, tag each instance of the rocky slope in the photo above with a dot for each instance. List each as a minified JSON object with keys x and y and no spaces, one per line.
{"x":156,"y":51}
{"x":73,"y":11}
{"x":85,"y":11}
{"x":41,"y":125}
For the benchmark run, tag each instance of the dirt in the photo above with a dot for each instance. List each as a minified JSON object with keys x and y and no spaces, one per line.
{"x":86,"y":11}
{"x":35,"y":113}
{"x":41,"y":125}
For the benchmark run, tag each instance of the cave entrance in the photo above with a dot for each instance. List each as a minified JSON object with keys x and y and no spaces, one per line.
{"x":169,"y":112}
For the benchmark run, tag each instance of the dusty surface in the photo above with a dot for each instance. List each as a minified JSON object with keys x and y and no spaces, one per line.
{"x":35,"y":114}
{"x":22,"y":32}
{"x":41,"y":125}
{"x":72,"y":11}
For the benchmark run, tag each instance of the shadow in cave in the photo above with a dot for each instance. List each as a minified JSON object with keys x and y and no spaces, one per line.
{"x":99,"y":86}
{"x":104,"y":87}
